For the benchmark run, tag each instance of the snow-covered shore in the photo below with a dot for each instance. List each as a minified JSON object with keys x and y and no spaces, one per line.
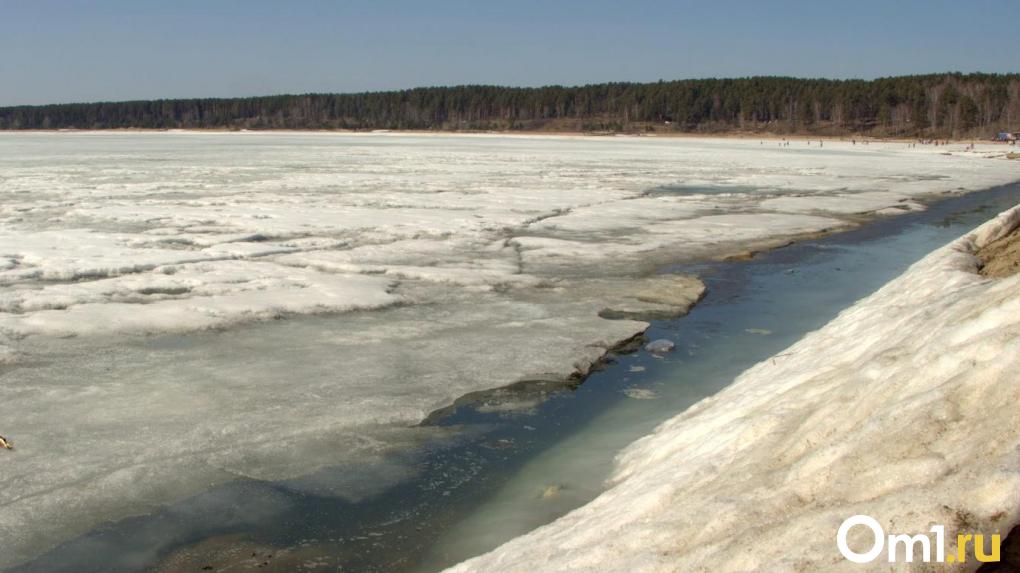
{"x":902,"y":408}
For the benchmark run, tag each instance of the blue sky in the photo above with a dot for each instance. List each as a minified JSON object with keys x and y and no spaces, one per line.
{"x":86,"y":51}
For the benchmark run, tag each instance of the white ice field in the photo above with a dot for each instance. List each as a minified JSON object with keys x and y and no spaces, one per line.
{"x":140,"y":273}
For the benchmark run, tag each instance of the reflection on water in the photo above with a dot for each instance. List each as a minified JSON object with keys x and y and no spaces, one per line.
{"x":497,"y":468}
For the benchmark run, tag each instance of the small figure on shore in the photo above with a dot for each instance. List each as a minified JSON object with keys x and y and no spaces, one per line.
{"x":6,"y":444}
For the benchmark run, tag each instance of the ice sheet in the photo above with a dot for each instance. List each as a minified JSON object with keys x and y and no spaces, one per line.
{"x":902,"y":408}
{"x":141,"y":273}
{"x":112,"y":427}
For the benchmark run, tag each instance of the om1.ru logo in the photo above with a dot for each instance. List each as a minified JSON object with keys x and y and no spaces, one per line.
{"x":910,"y":544}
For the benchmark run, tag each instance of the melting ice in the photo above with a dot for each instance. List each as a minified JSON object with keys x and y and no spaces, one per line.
{"x":140,"y":276}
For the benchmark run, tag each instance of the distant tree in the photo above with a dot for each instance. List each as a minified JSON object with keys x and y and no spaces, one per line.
{"x":936,"y":104}
{"x":969,"y":112}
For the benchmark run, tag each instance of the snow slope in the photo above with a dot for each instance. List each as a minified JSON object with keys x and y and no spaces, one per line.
{"x":902,"y":408}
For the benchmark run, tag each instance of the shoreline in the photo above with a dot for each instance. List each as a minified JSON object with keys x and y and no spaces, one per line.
{"x":741,"y":136}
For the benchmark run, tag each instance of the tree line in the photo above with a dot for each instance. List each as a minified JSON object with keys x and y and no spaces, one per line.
{"x":935,"y":105}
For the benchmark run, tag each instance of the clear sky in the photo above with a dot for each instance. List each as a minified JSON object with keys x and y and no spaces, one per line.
{"x":85,"y":51}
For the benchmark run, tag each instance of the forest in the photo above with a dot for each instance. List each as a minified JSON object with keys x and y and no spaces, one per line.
{"x":934,"y":105}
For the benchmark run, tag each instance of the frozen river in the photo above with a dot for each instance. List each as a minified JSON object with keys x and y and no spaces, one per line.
{"x":140,"y":276}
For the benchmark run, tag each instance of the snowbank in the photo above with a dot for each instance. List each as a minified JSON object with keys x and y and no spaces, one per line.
{"x":902,"y":408}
